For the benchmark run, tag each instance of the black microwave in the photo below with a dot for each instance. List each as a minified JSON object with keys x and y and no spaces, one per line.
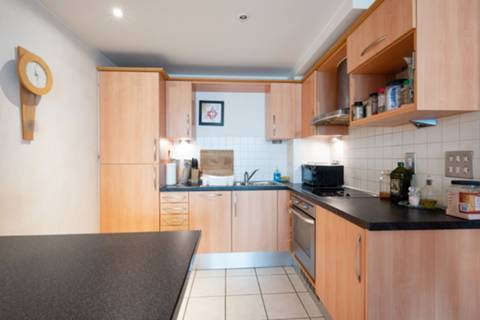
{"x":322,"y":176}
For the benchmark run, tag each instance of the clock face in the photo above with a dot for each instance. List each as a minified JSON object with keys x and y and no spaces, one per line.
{"x":36,"y":74}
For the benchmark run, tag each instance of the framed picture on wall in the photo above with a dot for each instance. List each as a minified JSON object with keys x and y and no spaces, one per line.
{"x":211,"y":113}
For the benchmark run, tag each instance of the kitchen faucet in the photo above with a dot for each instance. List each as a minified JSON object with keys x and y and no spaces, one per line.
{"x":247,"y":177}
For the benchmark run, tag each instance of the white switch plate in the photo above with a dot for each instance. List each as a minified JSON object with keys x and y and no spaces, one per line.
{"x":459,"y":164}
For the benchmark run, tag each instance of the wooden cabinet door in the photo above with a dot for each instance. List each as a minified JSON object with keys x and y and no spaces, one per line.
{"x":280,"y":111}
{"x":387,"y":23}
{"x":309,"y":105}
{"x":342,"y":271}
{"x":129,"y":200}
{"x":180,"y":114}
{"x":210,"y":212}
{"x":254,"y":225}
{"x":129,"y":117}
{"x":284,"y":220}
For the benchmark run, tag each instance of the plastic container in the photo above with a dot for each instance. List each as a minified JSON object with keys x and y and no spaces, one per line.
{"x":381,"y":100}
{"x":393,"y":94}
{"x":277,"y":176}
{"x":464,"y":199}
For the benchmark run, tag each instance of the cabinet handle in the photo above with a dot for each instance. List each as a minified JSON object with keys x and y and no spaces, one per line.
{"x":358,"y":259}
{"x":155,"y":178}
{"x":188,"y":125}
{"x":274,"y":127}
{"x":214,"y":195}
{"x":234,"y":205}
{"x":155,"y":149}
{"x":373,"y":44}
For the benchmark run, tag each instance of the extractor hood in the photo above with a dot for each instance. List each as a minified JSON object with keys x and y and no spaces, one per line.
{"x":341,"y":114}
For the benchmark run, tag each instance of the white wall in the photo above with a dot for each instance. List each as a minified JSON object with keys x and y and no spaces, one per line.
{"x":368,"y":151}
{"x":243,"y":132}
{"x":51,"y":184}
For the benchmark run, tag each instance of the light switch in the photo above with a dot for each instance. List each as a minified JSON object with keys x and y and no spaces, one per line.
{"x":459,"y":164}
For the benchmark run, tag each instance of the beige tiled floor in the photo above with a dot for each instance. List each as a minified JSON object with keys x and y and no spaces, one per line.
{"x":248,"y":294}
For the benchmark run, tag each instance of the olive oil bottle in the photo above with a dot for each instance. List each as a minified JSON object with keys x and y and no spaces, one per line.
{"x":400,"y":180}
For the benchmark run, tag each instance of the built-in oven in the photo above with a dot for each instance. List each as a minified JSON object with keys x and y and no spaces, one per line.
{"x":303,"y":239}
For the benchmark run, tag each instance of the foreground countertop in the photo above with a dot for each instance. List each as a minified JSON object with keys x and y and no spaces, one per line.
{"x":94,"y":276}
{"x":361,"y":208}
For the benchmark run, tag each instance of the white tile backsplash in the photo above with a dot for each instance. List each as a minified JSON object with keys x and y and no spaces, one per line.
{"x":368,"y":151}
{"x":250,"y":153}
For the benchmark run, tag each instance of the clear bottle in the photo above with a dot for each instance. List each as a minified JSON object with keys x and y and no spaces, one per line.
{"x":384,"y":191}
{"x":428,"y":195}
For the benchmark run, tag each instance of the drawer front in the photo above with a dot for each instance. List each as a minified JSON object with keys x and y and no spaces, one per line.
{"x":174,"y":228}
{"x":173,"y":221}
{"x":174,"y":208}
{"x":174,"y":197}
{"x":387,"y":23}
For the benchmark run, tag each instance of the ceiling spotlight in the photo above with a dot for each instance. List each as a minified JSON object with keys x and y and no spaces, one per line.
{"x":242,"y":17}
{"x":117,"y":12}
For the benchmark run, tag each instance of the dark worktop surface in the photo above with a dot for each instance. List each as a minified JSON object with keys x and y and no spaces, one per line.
{"x":361,"y":208}
{"x":94,"y":276}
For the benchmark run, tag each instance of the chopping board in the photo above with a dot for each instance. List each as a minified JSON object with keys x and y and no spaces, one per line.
{"x":216,"y":162}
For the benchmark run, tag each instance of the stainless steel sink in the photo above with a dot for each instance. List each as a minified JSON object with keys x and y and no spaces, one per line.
{"x":256,"y":183}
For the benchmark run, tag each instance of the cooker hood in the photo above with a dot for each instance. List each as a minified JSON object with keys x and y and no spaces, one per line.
{"x":340,"y":116}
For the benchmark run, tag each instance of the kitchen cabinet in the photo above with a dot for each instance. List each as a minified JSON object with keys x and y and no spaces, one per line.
{"x":130,"y":106}
{"x":281,"y":100}
{"x":129,"y":200}
{"x":254,"y":222}
{"x":340,"y":270}
{"x":210,"y":212}
{"x":180,"y":105}
{"x":387,"y":23}
{"x":284,"y":221}
{"x":309,"y":106}
{"x":440,"y":35}
{"x":174,"y":211}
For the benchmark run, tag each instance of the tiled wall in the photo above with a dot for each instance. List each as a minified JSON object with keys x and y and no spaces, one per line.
{"x":301,"y":151}
{"x":368,"y":151}
{"x":250,"y":153}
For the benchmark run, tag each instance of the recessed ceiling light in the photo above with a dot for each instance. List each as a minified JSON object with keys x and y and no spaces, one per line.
{"x":242,"y":17}
{"x":117,"y":12}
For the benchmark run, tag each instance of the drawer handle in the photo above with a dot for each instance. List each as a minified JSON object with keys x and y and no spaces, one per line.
{"x":214,"y":195}
{"x":373,"y":44}
{"x":176,"y":208}
{"x":155,"y":178}
{"x":175,"y":222}
{"x":155,"y":150}
{"x":358,"y":258}
{"x":174,"y":199}
{"x":302,"y":216}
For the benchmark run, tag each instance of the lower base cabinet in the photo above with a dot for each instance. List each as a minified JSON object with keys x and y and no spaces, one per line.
{"x":340,"y":266}
{"x":210,"y":212}
{"x":129,"y":198}
{"x":254,"y":222}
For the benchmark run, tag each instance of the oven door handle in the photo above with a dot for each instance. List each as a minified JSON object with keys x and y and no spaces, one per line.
{"x":302,"y":216}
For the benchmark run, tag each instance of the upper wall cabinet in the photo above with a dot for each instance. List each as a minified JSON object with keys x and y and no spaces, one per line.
{"x":281,"y":105}
{"x":130,"y":107}
{"x":391,"y":20}
{"x":180,"y":110}
{"x":440,"y":35}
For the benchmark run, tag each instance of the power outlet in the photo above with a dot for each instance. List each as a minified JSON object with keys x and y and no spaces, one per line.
{"x":459,"y":164}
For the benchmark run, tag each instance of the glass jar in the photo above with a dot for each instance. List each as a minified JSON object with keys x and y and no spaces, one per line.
{"x":358,"y":110}
{"x":384,"y":190}
{"x":374,"y":102}
{"x":381,"y":100}
{"x":428,"y":195}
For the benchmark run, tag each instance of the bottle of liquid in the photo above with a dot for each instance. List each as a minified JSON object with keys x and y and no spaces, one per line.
{"x":400,"y":181}
{"x":277,"y":176}
{"x":428,"y":195}
{"x":384,"y":181}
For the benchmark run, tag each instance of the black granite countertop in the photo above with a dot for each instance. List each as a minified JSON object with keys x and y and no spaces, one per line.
{"x":361,"y":208}
{"x":374,"y":214}
{"x":94,"y":276}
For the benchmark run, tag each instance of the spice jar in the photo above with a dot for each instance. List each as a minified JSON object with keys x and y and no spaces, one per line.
{"x":381,"y":100}
{"x":374,"y":102}
{"x":358,"y":110}
{"x":384,"y":181}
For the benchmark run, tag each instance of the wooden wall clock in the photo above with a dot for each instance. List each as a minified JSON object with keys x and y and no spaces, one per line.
{"x":35,"y":81}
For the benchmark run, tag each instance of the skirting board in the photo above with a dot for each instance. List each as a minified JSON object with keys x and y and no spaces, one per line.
{"x":241,"y":260}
